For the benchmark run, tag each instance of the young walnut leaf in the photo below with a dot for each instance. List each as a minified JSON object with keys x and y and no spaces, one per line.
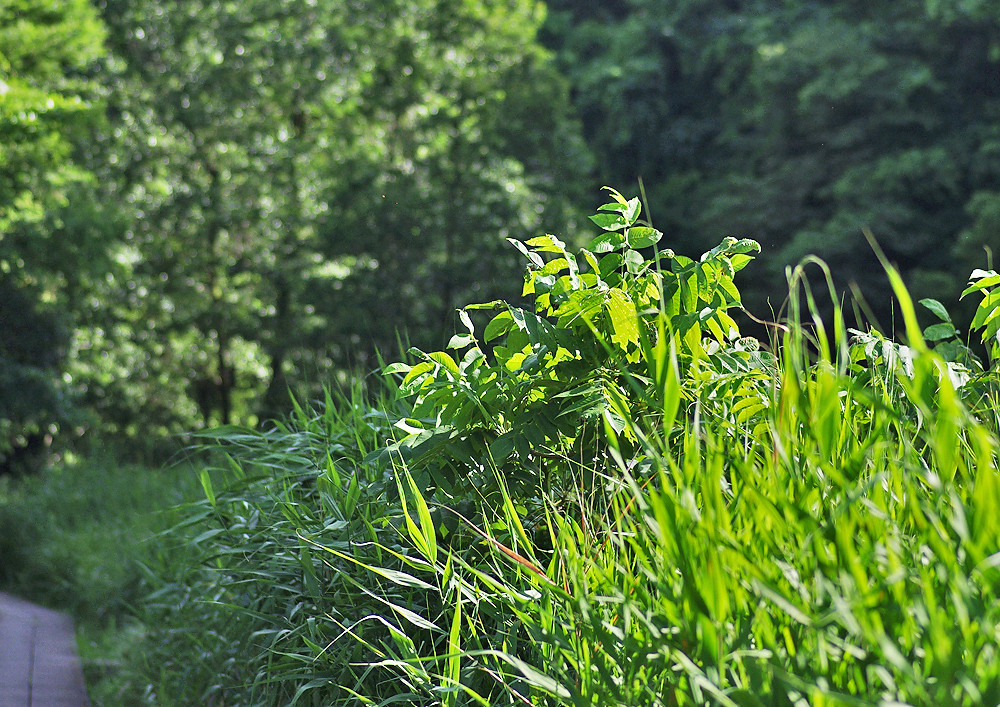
{"x":936,"y":308}
{"x":642,"y":237}
{"x":607,"y":242}
{"x":610,"y":221}
{"x":624,"y":319}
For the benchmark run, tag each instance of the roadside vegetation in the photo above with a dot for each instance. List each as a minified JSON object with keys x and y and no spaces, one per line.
{"x":605,"y":497}
{"x":633,"y":477}
{"x":78,"y":538}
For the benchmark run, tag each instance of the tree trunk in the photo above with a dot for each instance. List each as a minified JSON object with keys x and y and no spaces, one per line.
{"x":275,"y":397}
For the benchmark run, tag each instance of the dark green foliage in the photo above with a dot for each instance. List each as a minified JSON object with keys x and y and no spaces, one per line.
{"x":798,"y":124}
{"x":33,"y":403}
{"x":223,"y":201}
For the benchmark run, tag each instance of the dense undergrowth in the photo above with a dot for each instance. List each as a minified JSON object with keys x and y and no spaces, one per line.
{"x":608,"y":498}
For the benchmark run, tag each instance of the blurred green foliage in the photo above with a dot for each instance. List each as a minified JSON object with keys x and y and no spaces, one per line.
{"x":798,"y":124}
{"x":298,"y":181}
{"x":46,"y":106}
{"x":274,"y":192}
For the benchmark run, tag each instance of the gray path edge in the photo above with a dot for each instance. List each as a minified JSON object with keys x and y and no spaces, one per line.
{"x":39,"y":665}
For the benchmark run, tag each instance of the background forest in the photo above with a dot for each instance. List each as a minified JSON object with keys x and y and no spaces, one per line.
{"x":206,"y":204}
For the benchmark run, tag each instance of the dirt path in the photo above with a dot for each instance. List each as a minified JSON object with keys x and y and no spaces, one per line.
{"x":39,"y":666}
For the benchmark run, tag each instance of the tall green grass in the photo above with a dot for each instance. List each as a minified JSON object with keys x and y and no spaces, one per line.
{"x":816,"y":524}
{"x":844,"y":553}
{"x":248,"y":606}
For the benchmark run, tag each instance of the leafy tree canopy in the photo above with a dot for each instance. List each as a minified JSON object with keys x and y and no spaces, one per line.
{"x":798,"y":124}
{"x":297,"y":181}
{"x":47,"y":48}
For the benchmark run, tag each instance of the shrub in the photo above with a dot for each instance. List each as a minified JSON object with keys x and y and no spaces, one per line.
{"x":538,"y":389}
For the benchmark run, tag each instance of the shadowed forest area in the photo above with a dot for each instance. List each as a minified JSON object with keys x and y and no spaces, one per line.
{"x":443,"y":419}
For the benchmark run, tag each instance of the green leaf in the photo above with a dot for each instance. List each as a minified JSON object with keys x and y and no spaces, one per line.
{"x":634,"y":261}
{"x":681,"y":264}
{"x":498,"y":326}
{"x":990,"y":302}
{"x":586,"y":401}
{"x":731,"y":248}
{"x":632,"y":210}
{"x":729,"y":288}
{"x":609,"y":222}
{"x":938,"y":332}
{"x":689,"y":292}
{"x":936,"y":308}
{"x":418,"y":370}
{"x":495,"y":304}
{"x":352,"y":497}
{"x":445,"y":360}
{"x":591,"y":259}
{"x":950,"y":351}
{"x":555,"y":266}
{"x":610,"y":265}
{"x":542,"y":282}
{"x":229,"y":433}
{"x":426,"y":531}
{"x":981,"y":279}
{"x":547,"y":244}
{"x":502,"y":447}
{"x":705,"y":288}
{"x":532,"y":360}
{"x":992,"y":321}
{"x":454,"y":665}
{"x":642,"y":237}
{"x":745,"y":245}
{"x":206,"y":485}
{"x":721,"y":249}
{"x":616,"y":195}
{"x":607,"y":242}
{"x":408,"y":615}
{"x":613,"y":420}
{"x":531,"y":255}
{"x":539,"y":330}
{"x":782,"y":602}
{"x":624,"y":320}
{"x":534,"y":677}
{"x":395,"y":576}
{"x":467,"y":321}
{"x":460,"y":341}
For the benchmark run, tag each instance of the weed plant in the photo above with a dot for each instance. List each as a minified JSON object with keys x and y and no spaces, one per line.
{"x":611,"y":498}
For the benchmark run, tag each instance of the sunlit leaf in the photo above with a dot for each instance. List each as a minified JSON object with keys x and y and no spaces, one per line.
{"x":607,"y":242}
{"x":642,"y":237}
{"x":609,"y":222}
